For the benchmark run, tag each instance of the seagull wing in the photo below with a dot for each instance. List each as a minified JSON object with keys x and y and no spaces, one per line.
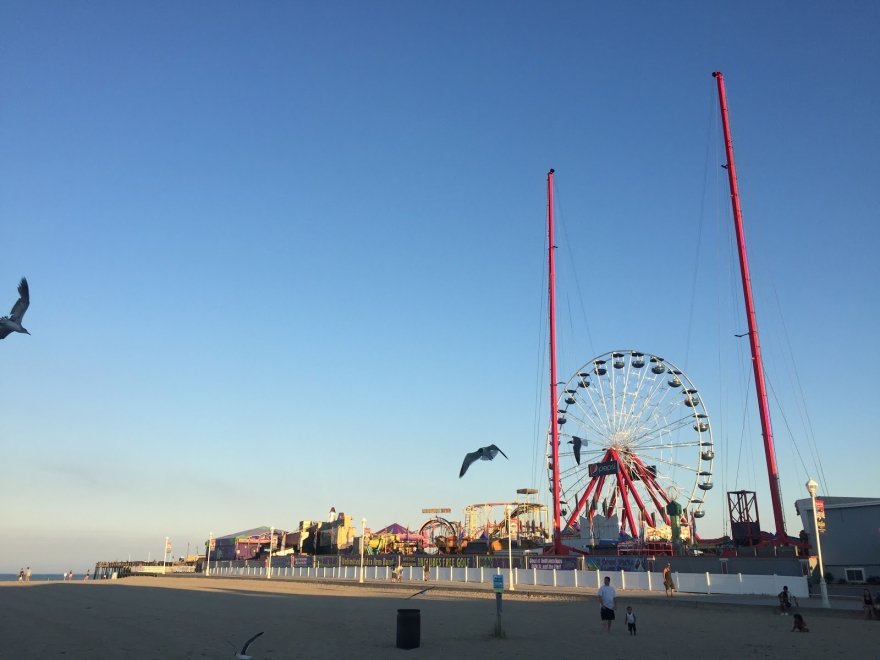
{"x":577,"y":442}
{"x":21,"y":305}
{"x":468,"y":459}
{"x":493,"y":451}
{"x":248,"y":643}
{"x":4,"y":330}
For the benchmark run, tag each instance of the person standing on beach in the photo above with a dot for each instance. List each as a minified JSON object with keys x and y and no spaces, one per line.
{"x":868,"y":603}
{"x":606,"y":596}
{"x":630,"y":621}
{"x":21,"y":575}
{"x":427,"y":571}
{"x":27,"y":574}
{"x":668,"y":584}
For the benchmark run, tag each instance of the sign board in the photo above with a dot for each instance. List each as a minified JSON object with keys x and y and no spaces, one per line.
{"x":603,"y":469}
{"x":820,"y":515}
{"x":213,"y":544}
{"x":498,"y":583}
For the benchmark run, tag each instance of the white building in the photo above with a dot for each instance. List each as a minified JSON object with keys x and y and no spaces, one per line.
{"x":851,"y":541}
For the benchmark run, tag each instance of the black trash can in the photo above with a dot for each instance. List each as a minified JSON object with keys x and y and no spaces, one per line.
{"x":409,"y":624}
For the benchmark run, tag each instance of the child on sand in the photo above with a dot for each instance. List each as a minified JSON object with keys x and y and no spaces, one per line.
{"x":799,"y":624}
{"x":630,"y":621}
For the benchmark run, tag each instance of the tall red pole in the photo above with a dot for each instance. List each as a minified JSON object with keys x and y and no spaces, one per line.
{"x":554,"y":398}
{"x":760,"y":386}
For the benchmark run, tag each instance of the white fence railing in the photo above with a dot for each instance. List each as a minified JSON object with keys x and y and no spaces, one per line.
{"x":696,"y":583}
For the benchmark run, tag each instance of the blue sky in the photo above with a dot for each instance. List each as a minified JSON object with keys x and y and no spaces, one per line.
{"x":289,"y":256}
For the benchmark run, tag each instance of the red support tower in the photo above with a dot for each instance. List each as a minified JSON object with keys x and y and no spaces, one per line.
{"x":554,"y":392}
{"x":754,"y":343}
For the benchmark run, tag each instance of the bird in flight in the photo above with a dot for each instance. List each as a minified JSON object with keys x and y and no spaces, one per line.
{"x":577,"y":442}
{"x":12,"y":323}
{"x":482,"y":454}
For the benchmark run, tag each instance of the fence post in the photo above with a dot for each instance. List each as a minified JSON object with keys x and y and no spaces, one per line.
{"x":708,"y":583}
{"x":623,"y":580}
{"x":554,"y":577}
{"x":649,"y":581}
{"x":598,"y":579}
{"x":465,"y":575}
{"x":575,"y":578}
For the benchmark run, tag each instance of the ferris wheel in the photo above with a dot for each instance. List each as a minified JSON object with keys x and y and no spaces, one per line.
{"x":634,"y":435}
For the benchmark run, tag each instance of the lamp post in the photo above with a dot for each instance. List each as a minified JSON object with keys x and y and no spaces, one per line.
{"x":823,"y":589}
{"x":269,"y":562}
{"x":363,"y":540}
{"x":510,"y":549}
{"x":208,"y":562}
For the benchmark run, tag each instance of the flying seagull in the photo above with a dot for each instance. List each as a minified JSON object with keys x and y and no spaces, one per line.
{"x":12,"y":323}
{"x":577,"y":442}
{"x":482,"y":454}
{"x":243,"y":655}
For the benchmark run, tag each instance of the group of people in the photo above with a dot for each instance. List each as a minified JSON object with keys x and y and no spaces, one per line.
{"x":24,"y":574}
{"x":607,"y":596}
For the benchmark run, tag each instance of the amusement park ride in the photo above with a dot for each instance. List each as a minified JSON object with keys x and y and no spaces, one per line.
{"x":630,"y":435}
{"x":630,"y":444}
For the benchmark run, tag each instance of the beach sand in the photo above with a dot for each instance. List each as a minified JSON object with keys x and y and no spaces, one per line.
{"x":197,"y":617}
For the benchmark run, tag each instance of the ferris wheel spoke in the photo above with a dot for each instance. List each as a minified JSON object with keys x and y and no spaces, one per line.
{"x":668,"y":428}
{"x":605,"y":401}
{"x":656,"y":398}
{"x":596,"y":415}
{"x":591,"y":422}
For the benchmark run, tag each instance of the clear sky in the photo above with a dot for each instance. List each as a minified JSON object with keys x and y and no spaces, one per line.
{"x":285,"y":256}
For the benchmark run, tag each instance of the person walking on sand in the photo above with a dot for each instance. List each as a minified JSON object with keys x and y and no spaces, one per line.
{"x":21,"y":575}
{"x":630,"y":621}
{"x":868,"y":603}
{"x":427,"y":571}
{"x":606,"y":596}
{"x":27,"y":574}
{"x":668,"y":584}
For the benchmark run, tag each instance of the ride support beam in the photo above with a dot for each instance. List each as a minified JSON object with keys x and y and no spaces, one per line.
{"x":554,"y":394}
{"x":651,"y":486}
{"x":754,"y":343}
{"x":624,"y":472}
{"x":582,"y":501}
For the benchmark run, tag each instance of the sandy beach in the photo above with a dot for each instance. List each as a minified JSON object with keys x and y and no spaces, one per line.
{"x":151,"y":618}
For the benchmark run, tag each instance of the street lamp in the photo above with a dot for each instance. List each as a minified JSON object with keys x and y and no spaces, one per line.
{"x":271,"y":543}
{"x":823,"y":589}
{"x":210,"y":544}
{"x":510,"y":549}
{"x":363,"y":540}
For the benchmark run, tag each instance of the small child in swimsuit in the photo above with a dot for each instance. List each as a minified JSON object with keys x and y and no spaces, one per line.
{"x":799,"y":624}
{"x":630,"y":621}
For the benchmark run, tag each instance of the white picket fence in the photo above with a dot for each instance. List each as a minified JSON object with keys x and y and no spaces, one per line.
{"x":695,"y":583}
